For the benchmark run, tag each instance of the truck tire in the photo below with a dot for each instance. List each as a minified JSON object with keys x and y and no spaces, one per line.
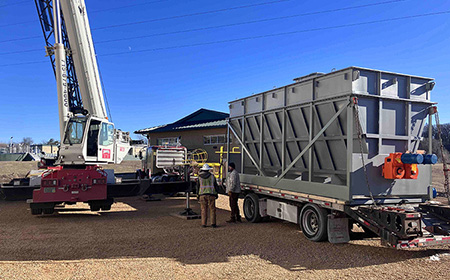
{"x":251,"y":208}
{"x":313,"y":222}
{"x":48,"y":211}
{"x":95,"y":208}
{"x":36,"y":211}
{"x":106,"y":207}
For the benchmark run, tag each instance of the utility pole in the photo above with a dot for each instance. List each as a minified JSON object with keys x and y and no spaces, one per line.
{"x":11,"y":145}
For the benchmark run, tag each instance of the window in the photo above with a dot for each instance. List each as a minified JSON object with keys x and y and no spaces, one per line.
{"x":170,"y":141}
{"x":75,"y":131}
{"x":106,"y":134}
{"x":214,"y":139}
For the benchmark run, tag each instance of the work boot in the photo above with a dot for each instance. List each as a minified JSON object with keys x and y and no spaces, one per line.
{"x":231,"y":221}
{"x":214,"y":225}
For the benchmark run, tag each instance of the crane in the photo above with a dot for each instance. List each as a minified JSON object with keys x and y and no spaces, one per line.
{"x":88,"y":138}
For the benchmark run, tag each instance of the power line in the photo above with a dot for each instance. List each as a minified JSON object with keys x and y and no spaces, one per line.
{"x":190,"y":15}
{"x":25,"y":51}
{"x":20,"y":39}
{"x":283,"y":33}
{"x":127,"y":6}
{"x":265,"y":36}
{"x":180,"y":16}
{"x":18,"y":23}
{"x":248,"y":22}
{"x":229,"y":25}
{"x":15,"y":3}
{"x":23,"y":63}
{"x":95,"y":11}
{"x":104,"y":91}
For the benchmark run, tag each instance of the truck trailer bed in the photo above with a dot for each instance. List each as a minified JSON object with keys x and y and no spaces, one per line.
{"x":393,"y":223}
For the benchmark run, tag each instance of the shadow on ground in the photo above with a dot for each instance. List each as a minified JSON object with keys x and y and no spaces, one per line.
{"x":139,"y":229}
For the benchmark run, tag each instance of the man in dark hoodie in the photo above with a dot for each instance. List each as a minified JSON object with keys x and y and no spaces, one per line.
{"x":233,"y":190}
{"x":207,"y":192}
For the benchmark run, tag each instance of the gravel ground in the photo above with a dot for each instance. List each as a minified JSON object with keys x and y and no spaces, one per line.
{"x":141,"y":240}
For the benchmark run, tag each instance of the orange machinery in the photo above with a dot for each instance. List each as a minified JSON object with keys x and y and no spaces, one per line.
{"x":404,"y":165}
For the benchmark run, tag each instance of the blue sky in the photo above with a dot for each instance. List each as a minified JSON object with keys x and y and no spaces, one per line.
{"x":146,"y":88}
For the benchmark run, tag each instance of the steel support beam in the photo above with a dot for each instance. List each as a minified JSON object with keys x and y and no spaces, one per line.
{"x":310,"y":151}
{"x":350,"y":125}
{"x":313,"y":141}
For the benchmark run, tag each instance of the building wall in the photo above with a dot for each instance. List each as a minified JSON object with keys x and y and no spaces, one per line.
{"x":50,"y":149}
{"x":193,"y":139}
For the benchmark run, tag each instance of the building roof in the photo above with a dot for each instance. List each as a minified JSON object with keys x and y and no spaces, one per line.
{"x":18,"y":157}
{"x":200,"y":119}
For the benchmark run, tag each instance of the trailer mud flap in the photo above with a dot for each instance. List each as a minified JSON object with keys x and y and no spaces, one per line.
{"x":338,"y":231}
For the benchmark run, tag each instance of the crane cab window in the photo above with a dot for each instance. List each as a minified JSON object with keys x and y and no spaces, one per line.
{"x":106,"y":135}
{"x":75,"y":131}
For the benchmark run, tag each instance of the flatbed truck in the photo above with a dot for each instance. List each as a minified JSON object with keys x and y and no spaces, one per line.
{"x":337,"y":149}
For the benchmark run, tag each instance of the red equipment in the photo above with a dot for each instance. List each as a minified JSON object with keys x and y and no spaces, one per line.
{"x":70,"y":185}
{"x":394,"y":168}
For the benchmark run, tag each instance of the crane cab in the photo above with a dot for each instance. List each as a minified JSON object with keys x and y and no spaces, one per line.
{"x":90,"y":140}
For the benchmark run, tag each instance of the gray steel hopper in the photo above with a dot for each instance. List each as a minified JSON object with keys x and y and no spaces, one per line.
{"x":303,"y":137}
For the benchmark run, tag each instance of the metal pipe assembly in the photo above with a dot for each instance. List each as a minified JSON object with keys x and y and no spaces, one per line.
{"x":411,"y":158}
{"x":430,"y":159}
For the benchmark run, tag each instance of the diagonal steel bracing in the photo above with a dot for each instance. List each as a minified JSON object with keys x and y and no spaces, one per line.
{"x":335,"y":116}
{"x":246,"y":150}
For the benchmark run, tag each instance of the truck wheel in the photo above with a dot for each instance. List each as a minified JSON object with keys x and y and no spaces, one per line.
{"x":251,"y":208}
{"x":106,"y":207}
{"x":313,"y":222}
{"x":36,"y":211}
{"x":48,"y":211}
{"x":95,"y":208}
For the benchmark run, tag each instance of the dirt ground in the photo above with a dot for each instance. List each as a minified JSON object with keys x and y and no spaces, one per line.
{"x":142,"y":240}
{"x":18,"y":169}
{"x":438,"y":182}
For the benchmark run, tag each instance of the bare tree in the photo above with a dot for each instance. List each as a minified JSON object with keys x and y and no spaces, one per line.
{"x":50,"y":141}
{"x":445,"y":135}
{"x":27,"y":141}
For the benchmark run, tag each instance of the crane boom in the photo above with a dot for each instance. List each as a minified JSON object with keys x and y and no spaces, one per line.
{"x":87,"y":136}
{"x":84,"y":58}
{"x":61,"y":71}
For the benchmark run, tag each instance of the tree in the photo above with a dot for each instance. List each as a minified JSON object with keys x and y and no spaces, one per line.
{"x":445,"y":135}
{"x":50,"y":141}
{"x":27,"y":141}
{"x":436,"y":148}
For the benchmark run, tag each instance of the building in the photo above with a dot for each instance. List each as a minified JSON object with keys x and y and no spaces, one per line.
{"x":23,"y":152}
{"x":4,"y":148}
{"x":205,"y":129}
{"x":45,"y":150}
